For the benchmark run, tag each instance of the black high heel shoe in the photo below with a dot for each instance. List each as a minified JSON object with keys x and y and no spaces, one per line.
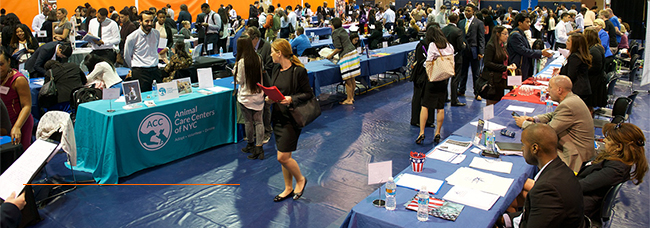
{"x":420,"y":139}
{"x":297,"y":195}
{"x":279,"y":198}
{"x":436,"y":139}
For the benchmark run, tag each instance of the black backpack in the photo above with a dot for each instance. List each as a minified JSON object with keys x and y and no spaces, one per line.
{"x":83,"y":95}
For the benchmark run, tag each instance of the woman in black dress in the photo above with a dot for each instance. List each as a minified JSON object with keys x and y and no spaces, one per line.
{"x":290,"y":77}
{"x":577,"y":66}
{"x":496,"y":64}
{"x":596,"y":72}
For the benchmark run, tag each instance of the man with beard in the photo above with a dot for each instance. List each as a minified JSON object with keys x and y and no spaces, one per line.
{"x":141,"y":52}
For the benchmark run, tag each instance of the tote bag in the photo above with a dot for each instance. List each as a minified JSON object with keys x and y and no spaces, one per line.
{"x":441,"y":68}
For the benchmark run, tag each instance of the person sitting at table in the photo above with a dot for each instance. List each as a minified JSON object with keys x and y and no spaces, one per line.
{"x":10,"y":210}
{"x":349,"y":60}
{"x":412,"y":31}
{"x":180,"y":60}
{"x":185,"y":31}
{"x":67,"y":77}
{"x":496,"y":65}
{"x":18,"y":99}
{"x":596,"y":73}
{"x":377,"y":36}
{"x":354,"y":39}
{"x":624,"y":149}
{"x":571,"y":121}
{"x":554,"y":200}
{"x":22,"y":39}
{"x":519,"y":50}
{"x":287,"y":71}
{"x":102,"y":73}
{"x":250,"y":97}
{"x":434,"y":94}
{"x":48,"y":27}
{"x":55,"y":49}
{"x":141,"y":52}
{"x":301,"y":42}
{"x":400,"y":31}
{"x":577,"y":66}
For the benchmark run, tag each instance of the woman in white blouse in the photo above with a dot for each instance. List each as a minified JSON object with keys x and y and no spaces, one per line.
{"x":102,"y":73}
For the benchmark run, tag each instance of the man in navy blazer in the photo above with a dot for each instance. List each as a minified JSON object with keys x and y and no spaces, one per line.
{"x":60,"y":51}
{"x":519,"y":51}
{"x":473,"y":31}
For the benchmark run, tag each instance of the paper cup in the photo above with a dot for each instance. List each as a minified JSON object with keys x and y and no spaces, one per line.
{"x":417,"y":161}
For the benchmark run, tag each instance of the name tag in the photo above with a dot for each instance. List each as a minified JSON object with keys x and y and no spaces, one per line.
{"x":4,"y":90}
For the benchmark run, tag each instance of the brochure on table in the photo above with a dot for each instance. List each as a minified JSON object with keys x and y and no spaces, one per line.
{"x":184,"y":86}
{"x":167,"y":91}
{"x":205,"y":78}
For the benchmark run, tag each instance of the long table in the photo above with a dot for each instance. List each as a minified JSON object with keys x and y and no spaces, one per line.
{"x":318,"y":31}
{"x":116,"y":144}
{"x":364,"y":214}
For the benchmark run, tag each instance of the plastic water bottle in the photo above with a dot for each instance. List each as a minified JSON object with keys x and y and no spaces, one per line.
{"x":542,"y":95}
{"x":154,"y":88}
{"x":423,"y":204}
{"x":549,"y":106}
{"x":489,"y":141}
{"x":391,"y":189}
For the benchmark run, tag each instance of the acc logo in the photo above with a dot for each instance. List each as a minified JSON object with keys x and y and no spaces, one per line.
{"x":154,"y":131}
{"x":162,"y":91}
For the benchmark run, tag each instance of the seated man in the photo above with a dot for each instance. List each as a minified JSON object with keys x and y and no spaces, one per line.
{"x":301,"y":42}
{"x":572,"y":122}
{"x":52,"y":50}
{"x":555,"y":200}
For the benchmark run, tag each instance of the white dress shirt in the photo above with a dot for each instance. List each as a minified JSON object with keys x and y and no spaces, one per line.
{"x":389,"y":15}
{"x":233,"y":14}
{"x":560,"y":32}
{"x":110,"y":33}
{"x":293,"y":18}
{"x":104,"y":74}
{"x":214,"y":22}
{"x":140,"y":49}
{"x":580,"y":22}
{"x":38,"y":22}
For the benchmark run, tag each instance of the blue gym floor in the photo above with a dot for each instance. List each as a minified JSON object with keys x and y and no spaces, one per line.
{"x":333,"y":154}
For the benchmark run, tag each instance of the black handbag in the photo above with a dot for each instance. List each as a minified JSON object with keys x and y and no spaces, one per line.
{"x":483,"y":87}
{"x":304,"y":112}
{"x":48,"y":95}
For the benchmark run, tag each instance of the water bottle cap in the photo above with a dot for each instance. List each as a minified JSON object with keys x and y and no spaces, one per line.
{"x":424,"y":188}
{"x":390,"y":178}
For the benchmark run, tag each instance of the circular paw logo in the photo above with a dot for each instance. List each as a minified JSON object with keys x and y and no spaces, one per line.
{"x":162,"y":91}
{"x":154,"y":131}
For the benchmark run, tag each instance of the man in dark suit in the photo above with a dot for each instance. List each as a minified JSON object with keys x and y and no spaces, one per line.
{"x":52,"y":50}
{"x":474,"y":33}
{"x":519,"y":51}
{"x":455,"y":36}
{"x":555,"y":200}
{"x":263,"y":48}
{"x":199,"y":29}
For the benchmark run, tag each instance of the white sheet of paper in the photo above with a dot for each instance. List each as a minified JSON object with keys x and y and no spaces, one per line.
{"x":490,"y":126}
{"x":218,"y":89}
{"x":384,"y":44}
{"x":168,"y":90}
{"x":488,"y":112}
{"x":110,"y":93}
{"x":416,"y":182}
{"x":445,"y":156}
{"x":22,"y":170}
{"x":303,"y":59}
{"x":520,"y":109}
{"x":491,"y":165}
{"x":543,"y":82}
{"x":471,"y":197}
{"x":205,"y":78}
{"x":514,"y":80}
{"x":486,"y":182}
{"x":209,"y":48}
{"x":564,"y":52}
{"x":379,"y":172}
{"x":162,"y":43}
{"x":476,"y":150}
{"x":454,"y":146}
{"x":359,"y":50}
{"x":121,"y":99}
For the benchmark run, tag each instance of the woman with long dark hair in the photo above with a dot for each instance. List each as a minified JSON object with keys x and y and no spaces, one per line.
{"x":496,"y":64}
{"x":180,"y":59}
{"x":48,"y":26}
{"x":376,"y":36}
{"x":77,"y":18}
{"x":10,"y":22}
{"x":284,"y":26}
{"x":248,"y":73}
{"x":22,"y":39}
{"x":290,"y":77}
{"x":597,"y":79}
{"x":434,"y":94}
{"x":577,"y":66}
{"x":102,"y":73}
{"x":225,"y":32}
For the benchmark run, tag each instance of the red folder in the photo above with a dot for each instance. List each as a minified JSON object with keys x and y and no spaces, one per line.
{"x":272,"y":92}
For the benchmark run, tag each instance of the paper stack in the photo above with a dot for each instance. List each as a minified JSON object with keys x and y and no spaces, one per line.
{"x":485,"y":182}
{"x":411,"y":181}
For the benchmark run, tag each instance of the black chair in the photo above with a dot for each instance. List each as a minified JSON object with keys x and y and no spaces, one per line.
{"x":620,"y":109}
{"x":311,"y":52}
{"x":632,"y":97}
{"x":618,"y":119}
{"x":607,"y":210}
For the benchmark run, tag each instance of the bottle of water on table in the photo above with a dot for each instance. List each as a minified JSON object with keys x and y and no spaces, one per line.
{"x":391,"y":189}
{"x":549,"y":106}
{"x":489,"y":141}
{"x":154,"y":89}
{"x":423,"y":204}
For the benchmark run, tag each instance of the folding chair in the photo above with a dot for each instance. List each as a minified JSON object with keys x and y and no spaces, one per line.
{"x":607,"y":210}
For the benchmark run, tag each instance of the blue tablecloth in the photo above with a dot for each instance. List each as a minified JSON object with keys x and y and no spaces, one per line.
{"x":364,"y":214}
{"x":227,"y":56}
{"x":328,"y":42}
{"x":322,"y":31}
{"x":120,"y":143}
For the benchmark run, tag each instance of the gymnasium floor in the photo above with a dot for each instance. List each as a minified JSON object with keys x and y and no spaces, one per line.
{"x":332,"y":153}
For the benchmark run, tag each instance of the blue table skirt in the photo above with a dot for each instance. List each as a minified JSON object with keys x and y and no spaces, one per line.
{"x":112,"y":145}
{"x":364,"y":214}
{"x":322,"y":31}
{"x":227,"y":56}
{"x":328,"y":42}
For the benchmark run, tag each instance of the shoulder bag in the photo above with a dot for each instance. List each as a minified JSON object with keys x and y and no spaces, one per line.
{"x":48,"y":95}
{"x":304,"y":112}
{"x":444,"y":67}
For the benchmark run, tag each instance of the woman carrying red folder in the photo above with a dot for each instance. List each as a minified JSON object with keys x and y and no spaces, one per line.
{"x":290,"y":77}
{"x":248,"y":73}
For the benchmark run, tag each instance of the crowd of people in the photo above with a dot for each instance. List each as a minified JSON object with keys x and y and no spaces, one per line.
{"x":487,"y":42}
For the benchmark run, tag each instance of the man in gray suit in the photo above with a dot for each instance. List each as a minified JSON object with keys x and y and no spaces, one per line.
{"x":571,"y":120}
{"x":474,"y":33}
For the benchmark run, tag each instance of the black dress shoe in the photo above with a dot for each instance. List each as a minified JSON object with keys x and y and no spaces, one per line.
{"x":297,"y":195}
{"x":461,"y":94}
{"x":436,"y":139}
{"x":458,"y":104}
{"x":279,"y":198}
{"x":419,"y":139}
{"x":447,"y":100}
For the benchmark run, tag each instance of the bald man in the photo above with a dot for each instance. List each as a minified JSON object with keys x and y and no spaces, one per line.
{"x":571,"y":120}
{"x":555,"y":200}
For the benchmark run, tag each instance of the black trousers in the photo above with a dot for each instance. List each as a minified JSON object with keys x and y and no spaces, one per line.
{"x":146,"y":75}
{"x":456,"y":80}
{"x":222,"y":44}
{"x":468,"y":60}
{"x":211,"y":38}
{"x":108,"y":54}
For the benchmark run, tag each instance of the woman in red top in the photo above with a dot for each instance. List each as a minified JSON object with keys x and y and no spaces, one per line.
{"x":15,"y":93}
